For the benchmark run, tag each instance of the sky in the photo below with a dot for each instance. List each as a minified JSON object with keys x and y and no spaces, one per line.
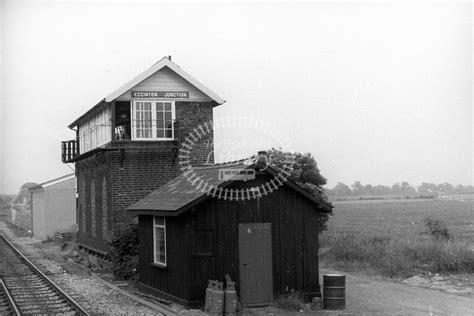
{"x":377,"y":92}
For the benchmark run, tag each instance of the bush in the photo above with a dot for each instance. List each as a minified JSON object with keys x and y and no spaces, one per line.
{"x":436,"y":228}
{"x":123,"y":252}
{"x":291,"y":301}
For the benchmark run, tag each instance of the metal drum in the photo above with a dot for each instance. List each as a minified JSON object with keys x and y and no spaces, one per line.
{"x":334,"y":291}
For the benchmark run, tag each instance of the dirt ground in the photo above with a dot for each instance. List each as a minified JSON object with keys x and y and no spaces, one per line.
{"x":373,"y":295}
{"x":414,"y":296}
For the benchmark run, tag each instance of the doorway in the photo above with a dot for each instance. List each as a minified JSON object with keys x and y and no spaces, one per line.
{"x":255,"y":264}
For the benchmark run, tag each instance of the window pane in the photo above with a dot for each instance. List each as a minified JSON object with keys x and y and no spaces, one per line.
{"x":159,"y":115}
{"x":143,"y":119}
{"x":160,"y":133}
{"x":169,"y":133}
{"x":159,"y":106}
{"x":160,"y":245}
{"x":160,"y":124}
{"x":169,"y":124}
{"x":168,"y":116}
{"x":168,"y":106}
{"x":159,"y":220}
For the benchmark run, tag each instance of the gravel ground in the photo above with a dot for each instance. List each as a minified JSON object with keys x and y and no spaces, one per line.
{"x":90,"y":293}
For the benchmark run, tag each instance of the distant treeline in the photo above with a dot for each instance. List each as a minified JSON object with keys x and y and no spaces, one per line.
{"x":5,"y":201}
{"x":23,"y":196}
{"x":399,"y":189}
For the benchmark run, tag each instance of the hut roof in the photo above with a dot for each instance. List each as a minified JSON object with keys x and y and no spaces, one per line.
{"x":186,"y":191}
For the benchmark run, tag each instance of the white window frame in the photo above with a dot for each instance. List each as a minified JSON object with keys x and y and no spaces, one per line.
{"x":155,"y":225}
{"x":95,"y":132}
{"x":153,"y":119}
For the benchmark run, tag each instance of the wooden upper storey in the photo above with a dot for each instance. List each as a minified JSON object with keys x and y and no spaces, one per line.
{"x":143,"y":109}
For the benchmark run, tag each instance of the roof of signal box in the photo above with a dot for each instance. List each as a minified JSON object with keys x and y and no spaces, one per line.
{"x":162,"y":63}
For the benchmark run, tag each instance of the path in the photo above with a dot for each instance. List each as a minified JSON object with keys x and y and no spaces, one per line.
{"x":372,"y":295}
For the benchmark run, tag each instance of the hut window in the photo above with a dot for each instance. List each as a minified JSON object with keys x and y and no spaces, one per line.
{"x":153,"y":120}
{"x":159,"y":238}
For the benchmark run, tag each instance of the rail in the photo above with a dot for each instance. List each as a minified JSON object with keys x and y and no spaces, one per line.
{"x":12,"y":309}
{"x":75,"y":306}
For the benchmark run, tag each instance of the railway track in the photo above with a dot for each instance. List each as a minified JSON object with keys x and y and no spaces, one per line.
{"x":26,"y":290}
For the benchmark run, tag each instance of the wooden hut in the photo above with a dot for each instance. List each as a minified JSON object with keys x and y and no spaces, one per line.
{"x":262,"y":232}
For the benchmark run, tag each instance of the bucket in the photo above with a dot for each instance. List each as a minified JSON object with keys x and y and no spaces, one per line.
{"x":334,"y":291}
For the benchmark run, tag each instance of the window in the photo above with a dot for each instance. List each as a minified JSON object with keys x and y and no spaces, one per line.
{"x":159,"y":239}
{"x":95,"y":131}
{"x":153,"y":120}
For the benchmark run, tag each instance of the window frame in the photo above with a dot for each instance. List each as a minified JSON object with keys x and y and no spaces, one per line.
{"x":153,"y":120}
{"x":155,"y":225}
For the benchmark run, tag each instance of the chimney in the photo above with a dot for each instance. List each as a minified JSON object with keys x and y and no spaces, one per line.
{"x":169,"y":57}
{"x":262,"y":156}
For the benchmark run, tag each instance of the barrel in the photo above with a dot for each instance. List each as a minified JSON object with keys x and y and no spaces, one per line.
{"x":334,"y":291}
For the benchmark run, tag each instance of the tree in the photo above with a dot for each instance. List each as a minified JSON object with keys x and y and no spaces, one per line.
{"x":447,"y":188}
{"x":381,"y":190}
{"x":427,"y":189}
{"x":357,"y":188}
{"x":406,"y":189}
{"x":304,"y":172}
{"x":368,"y":189}
{"x":396,"y":189}
{"x":24,"y":193}
{"x":341,"y":189}
{"x":4,"y":201}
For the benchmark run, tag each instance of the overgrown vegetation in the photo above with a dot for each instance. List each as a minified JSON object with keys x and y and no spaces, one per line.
{"x":291,"y":301}
{"x":436,"y":228}
{"x":397,"y":257}
{"x":305,"y":172}
{"x":123,"y":252}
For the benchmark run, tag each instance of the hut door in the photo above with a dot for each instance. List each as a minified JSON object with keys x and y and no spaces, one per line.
{"x":255,"y":260}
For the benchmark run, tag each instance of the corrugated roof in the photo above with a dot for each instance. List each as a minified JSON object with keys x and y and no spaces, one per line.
{"x":182,"y":193}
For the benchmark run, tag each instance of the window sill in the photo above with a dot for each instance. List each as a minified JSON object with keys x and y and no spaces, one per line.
{"x":158,"y":265}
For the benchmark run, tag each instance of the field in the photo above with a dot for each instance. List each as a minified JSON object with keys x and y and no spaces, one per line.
{"x":404,"y":217}
{"x":387,"y":235}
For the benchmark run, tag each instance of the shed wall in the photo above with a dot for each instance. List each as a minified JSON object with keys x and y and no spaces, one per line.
{"x":54,"y":209}
{"x":38,"y":214}
{"x":294,"y":243}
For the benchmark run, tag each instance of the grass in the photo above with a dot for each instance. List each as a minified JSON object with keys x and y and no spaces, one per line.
{"x":387,"y":236}
{"x":291,"y":301}
{"x":403,"y":217}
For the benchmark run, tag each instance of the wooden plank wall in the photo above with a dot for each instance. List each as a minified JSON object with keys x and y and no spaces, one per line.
{"x":166,"y":80}
{"x":294,"y":244}
{"x":173,"y":278}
